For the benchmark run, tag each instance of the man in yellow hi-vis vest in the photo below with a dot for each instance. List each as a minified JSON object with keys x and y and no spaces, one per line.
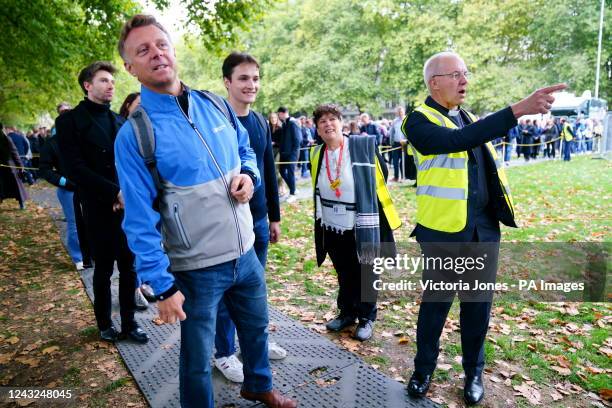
{"x":462,"y":195}
{"x":567,"y":136}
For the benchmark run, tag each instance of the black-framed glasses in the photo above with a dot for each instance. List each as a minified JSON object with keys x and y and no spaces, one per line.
{"x":456,"y":75}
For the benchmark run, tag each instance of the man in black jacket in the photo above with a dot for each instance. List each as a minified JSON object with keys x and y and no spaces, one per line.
{"x":86,"y":136}
{"x":290,"y":141}
{"x":462,"y":196}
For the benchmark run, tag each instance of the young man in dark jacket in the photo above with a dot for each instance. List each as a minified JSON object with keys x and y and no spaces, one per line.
{"x":290,"y":141}
{"x":241,"y":78}
{"x":86,"y":136}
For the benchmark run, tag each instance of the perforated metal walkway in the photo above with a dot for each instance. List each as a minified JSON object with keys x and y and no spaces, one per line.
{"x":316,"y":371}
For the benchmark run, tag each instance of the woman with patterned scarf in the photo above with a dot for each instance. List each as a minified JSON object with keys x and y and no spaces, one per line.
{"x":354,"y":217}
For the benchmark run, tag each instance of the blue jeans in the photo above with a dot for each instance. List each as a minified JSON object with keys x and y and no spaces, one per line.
{"x":225,"y":336}
{"x":396,"y":156}
{"x":508,"y":152}
{"x":241,"y":285}
{"x":287,"y":172}
{"x":72,"y":239}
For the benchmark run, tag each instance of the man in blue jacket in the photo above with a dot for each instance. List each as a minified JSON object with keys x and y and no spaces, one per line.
{"x":204,"y":222}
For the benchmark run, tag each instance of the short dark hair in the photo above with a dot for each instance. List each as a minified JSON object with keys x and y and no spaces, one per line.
{"x":89,"y":72}
{"x":282,"y":109}
{"x":235,"y":59}
{"x":124,"y":110}
{"x":62,"y":107}
{"x":138,"y":20}
{"x":325,"y":109}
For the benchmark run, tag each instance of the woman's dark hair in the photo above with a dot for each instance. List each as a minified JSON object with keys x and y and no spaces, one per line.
{"x":124,"y":111}
{"x":325,"y":109}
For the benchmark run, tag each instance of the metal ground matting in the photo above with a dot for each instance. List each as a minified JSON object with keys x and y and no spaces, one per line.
{"x":316,"y":371}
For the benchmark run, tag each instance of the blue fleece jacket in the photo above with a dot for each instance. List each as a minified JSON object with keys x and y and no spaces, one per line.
{"x":185,"y":161}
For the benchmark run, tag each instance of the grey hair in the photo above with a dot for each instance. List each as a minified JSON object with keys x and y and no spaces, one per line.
{"x":432,"y":65}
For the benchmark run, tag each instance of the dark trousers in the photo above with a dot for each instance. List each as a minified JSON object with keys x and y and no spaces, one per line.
{"x":567,"y":150}
{"x":287,"y":172}
{"x":356,"y":295}
{"x":110,"y":245}
{"x":473,"y":316}
{"x":84,"y":237}
{"x":396,"y":156}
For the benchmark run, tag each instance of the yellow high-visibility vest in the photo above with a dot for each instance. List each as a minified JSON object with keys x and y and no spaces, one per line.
{"x":442,"y":182}
{"x":381,"y":188}
{"x":565,"y":133}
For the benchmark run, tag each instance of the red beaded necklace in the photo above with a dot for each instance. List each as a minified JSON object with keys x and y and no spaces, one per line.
{"x":335,"y":184}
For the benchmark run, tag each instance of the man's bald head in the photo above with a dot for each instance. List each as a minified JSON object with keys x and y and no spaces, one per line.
{"x":435,"y":63}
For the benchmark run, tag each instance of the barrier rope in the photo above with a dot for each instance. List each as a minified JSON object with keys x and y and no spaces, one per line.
{"x":381,"y":148}
{"x":19,"y":168}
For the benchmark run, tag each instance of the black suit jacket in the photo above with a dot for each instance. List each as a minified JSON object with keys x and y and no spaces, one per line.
{"x":89,"y":156}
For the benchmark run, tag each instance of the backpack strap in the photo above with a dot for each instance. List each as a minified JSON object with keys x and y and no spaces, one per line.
{"x":221,"y":104}
{"x":262,"y":121}
{"x":143,"y":130}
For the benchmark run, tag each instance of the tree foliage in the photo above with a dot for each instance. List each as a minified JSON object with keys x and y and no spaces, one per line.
{"x":48,"y":42}
{"x":357,"y":53}
{"x":364,"y":52}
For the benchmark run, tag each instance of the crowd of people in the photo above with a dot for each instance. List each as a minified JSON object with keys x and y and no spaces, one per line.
{"x":180,"y":190}
{"x":545,"y":138}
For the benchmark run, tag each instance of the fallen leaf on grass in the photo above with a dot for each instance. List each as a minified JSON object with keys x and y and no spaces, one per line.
{"x":531,"y":394}
{"x":444,"y":367}
{"x":607,"y":351}
{"x":12,"y":340}
{"x":561,"y":370}
{"x":32,"y":362}
{"x":403,"y":340}
{"x":556,"y":396}
{"x":606,"y":394}
{"x":50,"y":350}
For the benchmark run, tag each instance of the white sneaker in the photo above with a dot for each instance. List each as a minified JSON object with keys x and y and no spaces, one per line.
{"x":276,"y":352}
{"x":140,"y":301}
{"x":291,"y":198}
{"x":79,"y":266}
{"x":231,"y":368}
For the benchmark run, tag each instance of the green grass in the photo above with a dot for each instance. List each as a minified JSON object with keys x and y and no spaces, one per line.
{"x":72,"y":377}
{"x":117,"y":384}
{"x":555,"y":202}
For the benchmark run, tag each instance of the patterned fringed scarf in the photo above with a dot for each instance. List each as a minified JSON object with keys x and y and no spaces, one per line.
{"x":367,"y":228}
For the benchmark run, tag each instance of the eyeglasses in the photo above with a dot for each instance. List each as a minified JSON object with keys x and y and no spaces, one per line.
{"x":456,"y":75}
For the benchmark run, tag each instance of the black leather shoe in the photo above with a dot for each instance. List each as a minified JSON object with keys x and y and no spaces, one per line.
{"x":473,"y":390}
{"x":109,"y":334}
{"x":418,"y":385}
{"x":364,"y":329}
{"x":340,"y":323}
{"x":136,"y":334}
